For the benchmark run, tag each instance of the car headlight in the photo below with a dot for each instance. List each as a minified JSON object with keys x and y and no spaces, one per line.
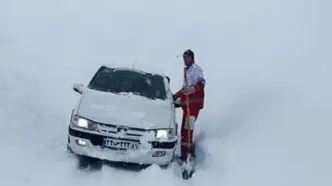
{"x":161,"y":134}
{"x":84,"y":123}
{"x":165,"y":133}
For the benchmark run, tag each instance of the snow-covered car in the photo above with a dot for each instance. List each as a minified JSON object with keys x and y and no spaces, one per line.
{"x":124,"y":115}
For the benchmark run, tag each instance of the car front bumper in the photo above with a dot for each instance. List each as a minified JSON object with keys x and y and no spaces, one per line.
{"x":91,"y":145}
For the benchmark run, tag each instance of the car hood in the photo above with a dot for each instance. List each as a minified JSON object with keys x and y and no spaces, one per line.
{"x":125,"y":109}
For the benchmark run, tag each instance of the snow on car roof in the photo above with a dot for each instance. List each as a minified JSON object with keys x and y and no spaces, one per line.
{"x":141,"y":68}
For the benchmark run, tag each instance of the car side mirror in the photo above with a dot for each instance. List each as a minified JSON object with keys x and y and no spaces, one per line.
{"x":78,"y":88}
{"x":168,"y":79}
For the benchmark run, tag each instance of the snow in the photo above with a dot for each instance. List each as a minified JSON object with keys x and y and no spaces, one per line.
{"x":268,"y":66}
{"x":125,"y":109}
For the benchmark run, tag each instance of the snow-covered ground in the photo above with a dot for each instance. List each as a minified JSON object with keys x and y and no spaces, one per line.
{"x":268,"y":66}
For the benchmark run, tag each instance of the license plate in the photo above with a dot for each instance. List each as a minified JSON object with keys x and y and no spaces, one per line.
{"x":119,"y":144}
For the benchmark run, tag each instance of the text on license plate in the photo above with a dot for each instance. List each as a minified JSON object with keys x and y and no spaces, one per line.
{"x":121,"y":144}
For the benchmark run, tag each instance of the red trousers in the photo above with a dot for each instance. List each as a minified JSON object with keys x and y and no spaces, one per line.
{"x":187,"y":130}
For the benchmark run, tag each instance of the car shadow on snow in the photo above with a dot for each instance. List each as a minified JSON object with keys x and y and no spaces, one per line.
{"x":92,"y":164}
{"x":126,"y":166}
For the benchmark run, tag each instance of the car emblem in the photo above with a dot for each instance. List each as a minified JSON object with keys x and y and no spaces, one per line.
{"x":122,"y":131}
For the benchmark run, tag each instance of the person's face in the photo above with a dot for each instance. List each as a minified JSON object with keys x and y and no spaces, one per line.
{"x":187,"y":60}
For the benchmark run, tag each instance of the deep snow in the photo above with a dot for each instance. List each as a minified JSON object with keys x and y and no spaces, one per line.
{"x":268,"y":66}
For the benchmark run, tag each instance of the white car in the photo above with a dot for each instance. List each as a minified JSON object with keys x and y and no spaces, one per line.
{"x":124,"y":115}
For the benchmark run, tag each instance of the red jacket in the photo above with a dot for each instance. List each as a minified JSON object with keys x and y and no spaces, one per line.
{"x":196,"y":98}
{"x":193,"y":78}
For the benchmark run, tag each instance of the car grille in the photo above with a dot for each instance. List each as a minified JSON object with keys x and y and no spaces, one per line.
{"x":112,"y":131}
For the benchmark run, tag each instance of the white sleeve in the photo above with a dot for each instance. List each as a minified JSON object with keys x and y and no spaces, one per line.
{"x":198,"y":75}
{"x":183,"y":84}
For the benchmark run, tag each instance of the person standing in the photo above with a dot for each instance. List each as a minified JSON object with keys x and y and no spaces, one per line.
{"x":191,"y":98}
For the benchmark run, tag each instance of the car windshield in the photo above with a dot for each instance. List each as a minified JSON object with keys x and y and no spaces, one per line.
{"x":126,"y":81}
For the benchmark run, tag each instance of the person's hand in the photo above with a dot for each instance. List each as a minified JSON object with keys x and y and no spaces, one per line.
{"x":175,"y":97}
{"x":177,"y":102}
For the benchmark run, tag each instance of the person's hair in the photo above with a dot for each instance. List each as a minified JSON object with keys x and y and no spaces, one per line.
{"x":190,"y":53}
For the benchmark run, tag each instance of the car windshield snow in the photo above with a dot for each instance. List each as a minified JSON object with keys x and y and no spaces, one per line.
{"x":124,"y":81}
